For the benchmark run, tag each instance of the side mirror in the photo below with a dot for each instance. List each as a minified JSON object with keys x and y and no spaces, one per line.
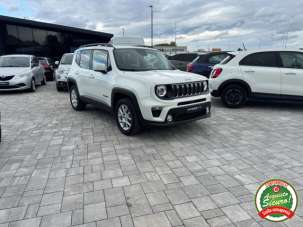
{"x":56,"y":62}
{"x":100,"y":67}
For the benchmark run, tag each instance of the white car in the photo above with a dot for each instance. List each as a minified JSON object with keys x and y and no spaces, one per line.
{"x":262,"y":74}
{"x":63,"y":70}
{"x":138,"y":85}
{"x":20,"y":72}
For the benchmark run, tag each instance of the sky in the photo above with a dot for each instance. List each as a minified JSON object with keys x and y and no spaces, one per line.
{"x":198,"y":24}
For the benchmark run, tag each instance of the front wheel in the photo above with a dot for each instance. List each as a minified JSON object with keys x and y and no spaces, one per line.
{"x":127,"y":117}
{"x":75,"y":100}
{"x":234,"y":96}
{"x":43,"y":82}
{"x":33,"y":86}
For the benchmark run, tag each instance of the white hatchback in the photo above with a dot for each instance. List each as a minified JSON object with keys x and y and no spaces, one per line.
{"x":262,"y":74}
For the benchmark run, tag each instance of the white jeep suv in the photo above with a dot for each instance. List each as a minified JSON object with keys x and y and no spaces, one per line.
{"x":138,"y":85}
{"x":263,"y":74}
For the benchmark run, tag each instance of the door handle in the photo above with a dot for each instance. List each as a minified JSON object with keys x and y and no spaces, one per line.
{"x":249,"y":71}
{"x":290,"y":73}
{"x":91,"y":77}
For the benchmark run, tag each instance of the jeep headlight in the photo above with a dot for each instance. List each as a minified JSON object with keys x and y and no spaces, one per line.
{"x":205,"y":85}
{"x":161,"y":91}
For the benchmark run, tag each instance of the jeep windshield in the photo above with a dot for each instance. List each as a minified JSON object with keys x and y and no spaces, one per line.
{"x":14,"y":61}
{"x":139,"y":59}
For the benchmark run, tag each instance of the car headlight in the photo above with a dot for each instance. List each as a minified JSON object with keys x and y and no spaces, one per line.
{"x":161,"y":91}
{"x":23,"y":75}
{"x":205,"y":85}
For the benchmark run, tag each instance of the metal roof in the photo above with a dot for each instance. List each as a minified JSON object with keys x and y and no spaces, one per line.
{"x":52,"y":27}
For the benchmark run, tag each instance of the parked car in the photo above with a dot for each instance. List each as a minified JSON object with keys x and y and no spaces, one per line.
{"x":138,"y":85}
{"x":204,"y":63}
{"x":20,"y":72}
{"x":48,"y":68}
{"x":63,"y":70}
{"x":180,"y":61}
{"x":263,"y":74}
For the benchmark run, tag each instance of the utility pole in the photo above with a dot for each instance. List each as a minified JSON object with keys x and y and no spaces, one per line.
{"x":123,"y":32}
{"x":151,"y":25}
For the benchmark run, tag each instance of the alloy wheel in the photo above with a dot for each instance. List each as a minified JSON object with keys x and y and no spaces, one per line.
{"x":124,"y":117}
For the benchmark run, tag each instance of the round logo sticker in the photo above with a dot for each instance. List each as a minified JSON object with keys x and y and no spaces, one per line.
{"x":276,"y":200}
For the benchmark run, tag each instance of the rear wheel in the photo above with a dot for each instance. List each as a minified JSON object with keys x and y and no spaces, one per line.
{"x":127,"y":117}
{"x":75,"y":100}
{"x":58,"y":87}
{"x":234,"y":96}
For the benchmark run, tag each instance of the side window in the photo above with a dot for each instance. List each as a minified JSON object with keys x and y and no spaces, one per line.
{"x":35,"y":62}
{"x":85,"y":59}
{"x":264,"y":59}
{"x":292,"y":60}
{"x":100,"y":56}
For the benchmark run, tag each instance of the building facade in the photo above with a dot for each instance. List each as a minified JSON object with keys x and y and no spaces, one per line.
{"x":172,"y":50}
{"x":21,"y":36}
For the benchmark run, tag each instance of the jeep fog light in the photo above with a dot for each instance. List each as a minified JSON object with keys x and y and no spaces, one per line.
{"x":169,"y":118}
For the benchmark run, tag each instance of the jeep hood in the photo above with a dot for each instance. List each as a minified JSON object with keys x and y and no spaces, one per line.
{"x":9,"y":71}
{"x":165,"y":76}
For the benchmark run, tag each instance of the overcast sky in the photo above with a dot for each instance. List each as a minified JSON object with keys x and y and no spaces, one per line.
{"x":199,"y":23}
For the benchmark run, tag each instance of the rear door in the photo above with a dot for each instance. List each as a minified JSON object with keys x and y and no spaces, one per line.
{"x":292,"y":73}
{"x":261,"y":71}
{"x":36,"y":70}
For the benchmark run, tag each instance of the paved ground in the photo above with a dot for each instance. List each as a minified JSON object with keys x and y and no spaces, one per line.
{"x":59,"y":167}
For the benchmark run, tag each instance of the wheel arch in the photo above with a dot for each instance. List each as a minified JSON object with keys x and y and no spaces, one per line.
{"x":71,"y":82}
{"x":242,"y":83}
{"x":120,"y":93}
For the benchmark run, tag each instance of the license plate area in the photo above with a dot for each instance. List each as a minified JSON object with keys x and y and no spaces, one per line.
{"x":4,"y":83}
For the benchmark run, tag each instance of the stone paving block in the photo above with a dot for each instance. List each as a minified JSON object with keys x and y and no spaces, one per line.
{"x":126,"y":221}
{"x":208,"y":214}
{"x":153,"y":220}
{"x":187,"y":211}
{"x":220,"y":222}
{"x":117,"y":211}
{"x":153,"y":186}
{"x":72,"y":202}
{"x":103,"y":184}
{"x":12,"y":214}
{"x":94,"y":212}
{"x":77,"y":217}
{"x":157,"y":198}
{"x":224,"y":199}
{"x":51,"y":198}
{"x":235,"y":213}
{"x":173,"y":218}
{"x":49,"y":209}
{"x":176,"y":196}
{"x":195,"y":191}
{"x":195,"y":222}
{"x":114,"y":197}
{"x":189,"y":180}
{"x":33,"y":222}
{"x":204,"y":203}
{"x":120,"y":182}
{"x":56,"y":220}
{"x":32,"y":211}
{"x":161,"y":207}
{"x":112,"y":222}
{"x":93,"y":197}
{"x":9,"y":202}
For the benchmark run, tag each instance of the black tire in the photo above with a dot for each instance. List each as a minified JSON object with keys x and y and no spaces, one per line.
{"x":234,"y":96}
{"x":43,"y":82}
{"x":33,"y":86}
{"x":58,"y":87}
{"x":135,"y":126}
{"x":77,"y":105}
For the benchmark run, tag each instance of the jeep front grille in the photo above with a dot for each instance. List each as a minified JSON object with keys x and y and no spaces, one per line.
{"x":187,"y":89}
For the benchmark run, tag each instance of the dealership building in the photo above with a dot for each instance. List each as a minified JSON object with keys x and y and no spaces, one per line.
{"x":21,"y":36}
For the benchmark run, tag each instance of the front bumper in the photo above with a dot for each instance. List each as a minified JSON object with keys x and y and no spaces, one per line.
{"x":15,"y":84}
{"x":184,"y":114}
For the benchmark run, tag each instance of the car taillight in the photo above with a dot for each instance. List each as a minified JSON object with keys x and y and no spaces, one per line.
{"x":217,"y":72}
{"x":189,"y":68}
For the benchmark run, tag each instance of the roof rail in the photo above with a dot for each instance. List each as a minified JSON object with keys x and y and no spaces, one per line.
{"x":98,"y":44}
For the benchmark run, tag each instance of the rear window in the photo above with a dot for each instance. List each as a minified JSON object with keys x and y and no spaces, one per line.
{"x":67,"y":59}
{"x":184,"y":57}
{"x":227,"y":59}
